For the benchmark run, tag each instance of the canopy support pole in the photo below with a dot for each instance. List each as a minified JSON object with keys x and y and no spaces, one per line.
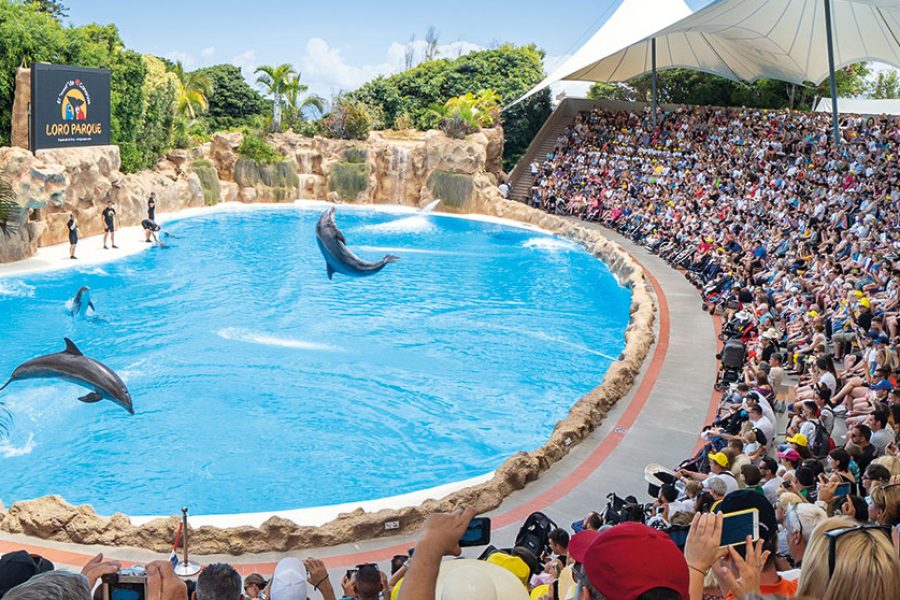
{"x":655,"y":91}
{"x":834,"y":99}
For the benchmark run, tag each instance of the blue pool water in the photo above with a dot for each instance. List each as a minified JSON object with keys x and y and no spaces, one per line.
{"x":260,"y":385}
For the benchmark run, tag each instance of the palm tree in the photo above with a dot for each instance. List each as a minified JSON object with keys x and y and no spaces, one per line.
{"x":275,"y":81}
{"x":194,"y":90}
{"x":296,"y":103}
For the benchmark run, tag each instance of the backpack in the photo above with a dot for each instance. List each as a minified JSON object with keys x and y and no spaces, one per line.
{"x":822,"y":443}
{"x":534,"y":535}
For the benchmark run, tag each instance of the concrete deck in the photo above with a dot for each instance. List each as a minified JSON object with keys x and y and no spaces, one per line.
{"x":658,"y":422}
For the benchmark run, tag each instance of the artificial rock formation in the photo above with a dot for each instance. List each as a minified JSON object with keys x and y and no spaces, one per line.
{"x":54,"y":183}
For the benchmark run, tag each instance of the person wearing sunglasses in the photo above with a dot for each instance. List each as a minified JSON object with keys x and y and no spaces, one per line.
{"x":832,"y":565}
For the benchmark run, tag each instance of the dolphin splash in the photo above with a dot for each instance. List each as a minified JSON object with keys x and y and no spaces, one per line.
{"x":339,"y":258}
{"x":73,"y":366}
{"x":82,"y":301}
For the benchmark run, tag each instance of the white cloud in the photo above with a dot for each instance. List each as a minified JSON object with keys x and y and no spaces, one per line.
{"x":325,"y":69}
{"x":208,"y":53}
{"x":246,"y":61}
{"x":186,"y":59}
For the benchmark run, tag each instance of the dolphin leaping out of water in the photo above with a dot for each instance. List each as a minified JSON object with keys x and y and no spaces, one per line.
{"x":73,"y":366}
{"x":338,"y":257}
{"x":82,"y":301}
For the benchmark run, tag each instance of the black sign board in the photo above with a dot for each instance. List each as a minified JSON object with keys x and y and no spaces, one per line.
{"x":69,"y":106}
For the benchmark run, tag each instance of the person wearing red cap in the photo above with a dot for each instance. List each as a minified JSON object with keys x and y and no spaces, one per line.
{"x":629,"y":561}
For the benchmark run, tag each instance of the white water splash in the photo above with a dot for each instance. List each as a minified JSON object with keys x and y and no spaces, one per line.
{"x":431,"y":206}
{"x":8,"y":450}
{"x":16,"y":289}
{"x":416,"y":224}
{"x":249,"y":336}
{"x":93,"y":271}
{"x":548,"y":244}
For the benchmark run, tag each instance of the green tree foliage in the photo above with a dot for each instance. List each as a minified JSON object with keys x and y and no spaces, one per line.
{"x":255,"y":148}
{"x":158,"y":116}
{"x":509,"y":70}
{"x":127,"y":75}
{"x":194,"y":89}
{"x":233,"y":103}
{"x":468,"y":113}
{"x":351,"y":119}
{"x":886,"y":85}
{"x":686,"y":86}
{"x":55,"y":9}
{"x":274,"y":82}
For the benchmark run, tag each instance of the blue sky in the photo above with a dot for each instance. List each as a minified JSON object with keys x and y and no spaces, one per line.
{"x":341,"y":45}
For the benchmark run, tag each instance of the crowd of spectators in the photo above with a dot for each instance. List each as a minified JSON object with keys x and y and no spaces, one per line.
{"x":797,"y":246}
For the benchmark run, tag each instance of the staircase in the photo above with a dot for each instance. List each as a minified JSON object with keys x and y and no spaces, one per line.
{"x":520,"y":179}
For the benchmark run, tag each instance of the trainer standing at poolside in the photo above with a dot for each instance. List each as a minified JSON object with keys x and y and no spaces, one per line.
{"x":151,"y":217}
{"x":72,"y":226}
{"x":109,"y":226}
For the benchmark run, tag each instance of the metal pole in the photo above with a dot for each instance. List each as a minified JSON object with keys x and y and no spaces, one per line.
{"x":655,"y":91}
{"x":834,"y":100}
{"x":184,"y":535}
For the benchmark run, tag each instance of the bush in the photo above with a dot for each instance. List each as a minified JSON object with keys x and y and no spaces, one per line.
{"x":355,"y":155}
{"x":348,"y":179}
{"x":10,"y":211}
{"x":255,"y":148}
{"x":349,"y":119}
{"x":309,"y":128}
{"x":468,"y":113}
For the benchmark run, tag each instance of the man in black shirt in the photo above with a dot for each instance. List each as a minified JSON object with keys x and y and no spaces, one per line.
{"x":151,"y":217}
{"x":861,"y":435}
{"x":109,"y":227}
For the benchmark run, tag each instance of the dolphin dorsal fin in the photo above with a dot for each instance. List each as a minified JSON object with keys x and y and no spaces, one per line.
{"x":71,"y":348}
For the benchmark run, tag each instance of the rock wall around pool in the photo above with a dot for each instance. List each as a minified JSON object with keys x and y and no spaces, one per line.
{"x":52,"y":518}
{"x":409,"y":168}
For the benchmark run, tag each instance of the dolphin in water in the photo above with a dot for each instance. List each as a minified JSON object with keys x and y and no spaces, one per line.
{"x":73,"y":366}
{"x":338,"y":257}
{"x":81,"y":302}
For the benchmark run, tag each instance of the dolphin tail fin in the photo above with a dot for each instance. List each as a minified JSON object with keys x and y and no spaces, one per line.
{"x":91,"y":398}
{"x":71,"y":348}
{"x":330,"y":270}
{"x":391,"y":258}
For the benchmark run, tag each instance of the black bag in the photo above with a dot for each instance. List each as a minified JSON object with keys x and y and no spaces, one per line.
{"x":534,"y":535}
{"x":619,"y":510}
{"x":821,"y":444}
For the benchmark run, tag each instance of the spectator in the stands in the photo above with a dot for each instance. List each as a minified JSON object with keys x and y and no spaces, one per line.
{"x":882,"y":434}
{"x":833,"y":570}
{"x":860,"y":436}
{"x":218,"y":581}
{"x":768,"y":469}
{"x":800,"y":521}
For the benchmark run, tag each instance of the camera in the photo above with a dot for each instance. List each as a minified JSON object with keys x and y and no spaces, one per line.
{"x":126,"y":584}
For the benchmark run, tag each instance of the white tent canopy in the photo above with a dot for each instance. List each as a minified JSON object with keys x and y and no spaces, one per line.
{"x":862,"y":106}
{"x":739,"y":39}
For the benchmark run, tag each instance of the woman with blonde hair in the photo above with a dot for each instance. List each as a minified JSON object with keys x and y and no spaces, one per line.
{"x":832,"y":565}
{"x":891,"y":463}
{"x":885,"y":507}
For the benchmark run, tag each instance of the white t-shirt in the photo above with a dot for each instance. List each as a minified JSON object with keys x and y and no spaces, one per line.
{"x":766,"y":426}
{"x":828,"y":380}
{"x":770,"y":489}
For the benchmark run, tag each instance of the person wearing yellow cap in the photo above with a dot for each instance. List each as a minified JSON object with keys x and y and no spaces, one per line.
{"x":719,"y":464}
